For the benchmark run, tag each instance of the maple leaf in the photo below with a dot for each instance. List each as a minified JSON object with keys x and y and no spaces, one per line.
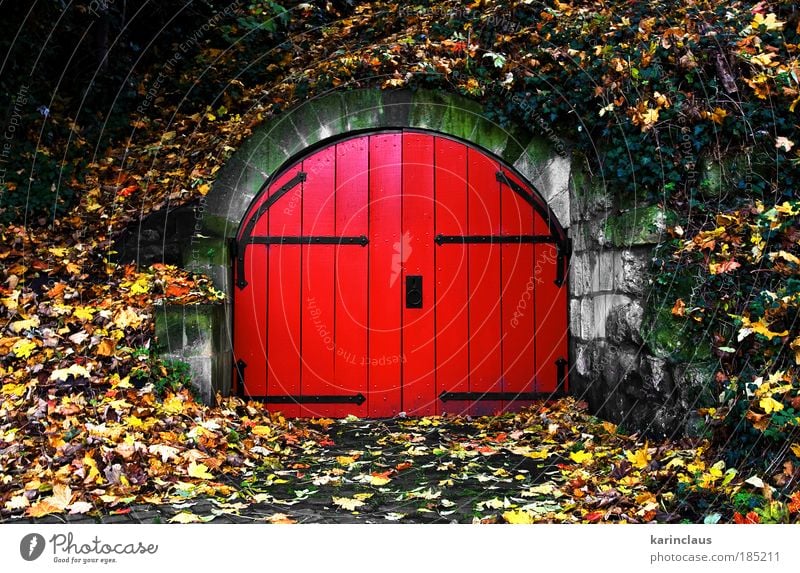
{"x":639,"y":459}
{"x":581,"y":456}
{"x":347,"y":503}
{"x":262,"y":430}
{"x":519,"y":517}
{"x":24,"y":348}
{"x":188,"y":517}
{"x":723,"y":267}
{"x":75,"y":370}
{"x":794,"y":503}
{"x":751,"y":517}
{"x":83,"y":313}
{"x":769,"y":22}
{"x":55,"y":503}
{"x":679,"y":308}
{"x":379,"y":479}
{"x":79,"y":507}
{"x":164,"y":451}
{"x":17,"y":502}
{"x":106,"y":347}
{"x":20,"y":325}
{"x":770,"y":405}
{"x":199,"y":471}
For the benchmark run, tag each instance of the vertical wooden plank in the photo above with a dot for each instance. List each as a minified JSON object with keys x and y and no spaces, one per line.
{"x":250,"y":321}
{"x":518,"y":304}
{"x":283,"y":300}
{"x":452,"y":317}
{"x":551,"y":313}
{"x":385,"y":270}
{"x":419,"y":398}
{"x":317,"y":329}
{"x":352,"y":190}
{"x":484,"y":281}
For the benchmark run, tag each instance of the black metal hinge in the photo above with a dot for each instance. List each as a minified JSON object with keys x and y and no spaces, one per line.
{"x":240,"y":366}
{"x":561,"y":374}
{"x":564,"y":253}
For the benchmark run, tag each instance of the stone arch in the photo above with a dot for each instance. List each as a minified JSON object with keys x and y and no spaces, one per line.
{"x":338,"y":113}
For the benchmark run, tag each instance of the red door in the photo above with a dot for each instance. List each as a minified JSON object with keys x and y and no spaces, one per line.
{"x":399,"y":272}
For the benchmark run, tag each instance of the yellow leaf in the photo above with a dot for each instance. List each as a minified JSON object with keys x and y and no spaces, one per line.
{"x":142,"y":285}
{"x":13,"y":389}
{"x":518,"y":517}
{"x":17,"y":502}
{"x":769,"y":405}
{"x":185,"y":517}
{"x":20,"y":325}
{"x":106,"y":347}
{"x":640,"y":458}
{"x":345,"y":460}
{"x":23,"y":348}
{"x":581,"y":456}
{"x":199,"y":471}
{"x":56,"y":503}
{"x":379,"y":480}
{"x":83,"y":313}
{"x":262,"y":430}
{"x":538,"y":454}
{"x":770,"y":22}
{"x":173,"y":405}
{"x":93,"y":475}
{"x":795,"y":449}
{"x":75,"y":370}
{"x":347,"y":503}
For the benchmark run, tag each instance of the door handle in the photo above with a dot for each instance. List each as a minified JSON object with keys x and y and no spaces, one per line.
{"x":413,"y":291}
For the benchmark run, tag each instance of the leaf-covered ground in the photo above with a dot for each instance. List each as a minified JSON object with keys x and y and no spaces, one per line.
{"x":101,"y":453}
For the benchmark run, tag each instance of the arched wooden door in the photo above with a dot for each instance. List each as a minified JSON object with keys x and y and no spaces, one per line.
{"x":399,"y":271}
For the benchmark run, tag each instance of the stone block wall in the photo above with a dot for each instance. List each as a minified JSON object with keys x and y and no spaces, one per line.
{"x":630,"y":360}
{"x":198,"y":335}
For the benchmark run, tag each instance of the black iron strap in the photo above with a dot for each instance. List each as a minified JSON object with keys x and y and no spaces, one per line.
{"x":310,"y":240}
{"x":482,"y":396}
{"x":313,"y":399}
{"x":514,"y":239}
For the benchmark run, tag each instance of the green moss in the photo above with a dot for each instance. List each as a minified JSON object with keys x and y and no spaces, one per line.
{"x":639,"y":226}
{"x":668,"y":338}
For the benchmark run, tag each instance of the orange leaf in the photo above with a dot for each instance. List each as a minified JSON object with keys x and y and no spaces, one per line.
{"x":679,"y":308}
{"x":751,"y":517}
